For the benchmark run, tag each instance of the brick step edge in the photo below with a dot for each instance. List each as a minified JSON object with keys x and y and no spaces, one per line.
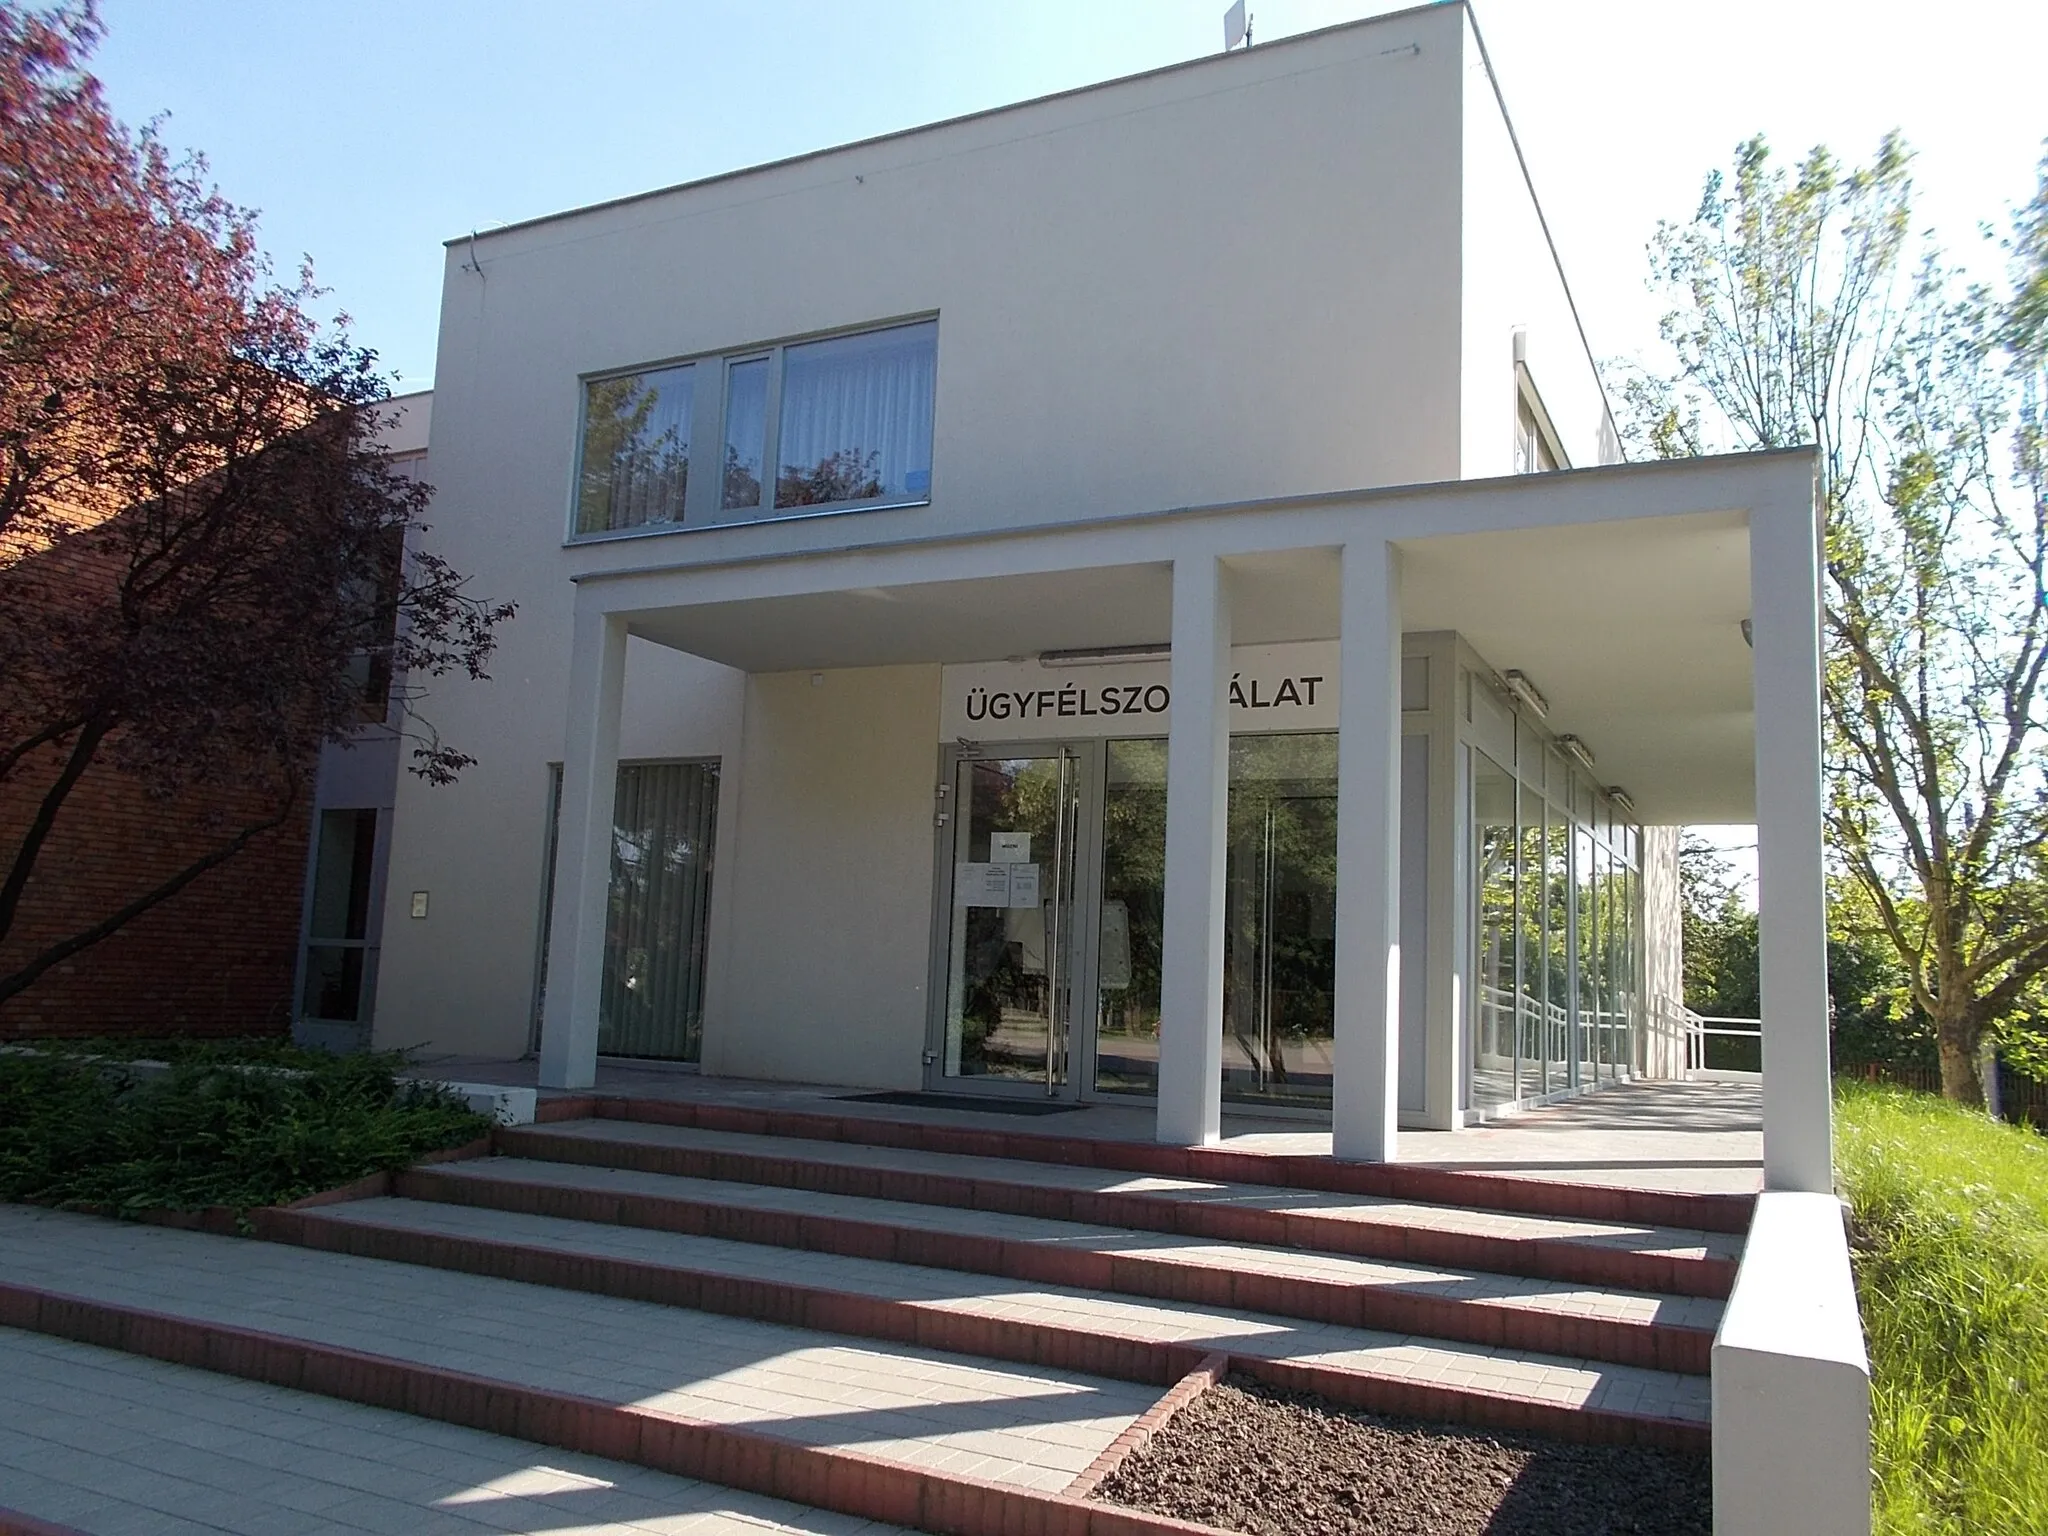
{"x":1388,"y":1308}
{"x":1437,"y":1186}
{"x":924,"y":1325}
{"x":14,"y":1523}
{"x":1133,"y":1440}
{"x":1542,"y":1258}
{"x":846,"y":1482}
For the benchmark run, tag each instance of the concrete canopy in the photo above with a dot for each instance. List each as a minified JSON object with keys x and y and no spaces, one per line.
{"x":1630,"y":623}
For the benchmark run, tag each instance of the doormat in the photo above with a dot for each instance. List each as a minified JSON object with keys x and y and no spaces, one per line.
{"x":988,"y":1106}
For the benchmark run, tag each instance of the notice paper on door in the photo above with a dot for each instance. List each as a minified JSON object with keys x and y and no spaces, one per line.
{"x":1009,"y":847}
{"x":995,"y":885}
{"x":981,"y":885}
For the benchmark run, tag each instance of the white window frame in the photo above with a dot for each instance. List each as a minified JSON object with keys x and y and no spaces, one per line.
{"x":1527,"y":397}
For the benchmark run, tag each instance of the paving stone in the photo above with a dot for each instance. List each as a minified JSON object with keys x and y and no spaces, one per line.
{"x":484,"y":1482}
{"x":1415,"y":1279}
{"x":1676,"y":1242}
{"x":1577,"y":1383}
{"x":890,"y":1401}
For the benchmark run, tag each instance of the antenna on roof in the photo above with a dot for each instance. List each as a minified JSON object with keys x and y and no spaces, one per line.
{"x":1237,"y":26}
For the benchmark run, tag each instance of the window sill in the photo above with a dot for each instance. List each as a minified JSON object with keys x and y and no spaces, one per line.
{"x":788,"y":515}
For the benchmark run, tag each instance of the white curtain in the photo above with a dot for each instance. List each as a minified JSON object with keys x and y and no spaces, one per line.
{"x":857,"y":417}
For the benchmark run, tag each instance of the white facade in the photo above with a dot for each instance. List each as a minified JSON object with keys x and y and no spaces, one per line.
{"x":1184,"y":324}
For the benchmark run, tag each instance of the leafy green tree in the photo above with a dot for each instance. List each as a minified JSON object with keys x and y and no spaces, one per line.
{"x":1801,"y":316}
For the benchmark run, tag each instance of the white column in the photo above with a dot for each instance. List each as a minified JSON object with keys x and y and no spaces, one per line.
{"x":1368,"y":989}
{"x":1785,"y":608}
{"x":1197,"y":787}
{"x":583,"y":852}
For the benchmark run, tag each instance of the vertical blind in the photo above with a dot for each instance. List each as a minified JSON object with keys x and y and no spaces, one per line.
{"x":652,"y":1003}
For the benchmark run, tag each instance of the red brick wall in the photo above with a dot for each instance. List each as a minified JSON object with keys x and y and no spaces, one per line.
{"x":216,"y":959}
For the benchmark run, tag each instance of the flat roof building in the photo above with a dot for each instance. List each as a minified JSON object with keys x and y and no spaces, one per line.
{"x":1129,"y":596}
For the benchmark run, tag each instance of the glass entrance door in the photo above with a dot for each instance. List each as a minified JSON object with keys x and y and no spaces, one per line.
{"x":1012,"y":963}
{"x":1053,"y":868}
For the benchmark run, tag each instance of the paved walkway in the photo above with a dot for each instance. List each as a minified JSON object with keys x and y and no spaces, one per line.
{"x":118,"y":1445}
{"x":1693,"y":1137}
{"x":1023,"y":1426}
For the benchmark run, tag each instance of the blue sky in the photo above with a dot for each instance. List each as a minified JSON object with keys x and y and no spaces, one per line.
{"x":369,"y":131}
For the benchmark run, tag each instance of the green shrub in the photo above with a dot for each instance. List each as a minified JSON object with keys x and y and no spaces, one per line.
{"x":1949,"y":1213}
{"x":213,"y":1130}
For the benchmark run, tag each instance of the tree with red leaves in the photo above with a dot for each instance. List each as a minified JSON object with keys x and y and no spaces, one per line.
{"x":202,"y":552}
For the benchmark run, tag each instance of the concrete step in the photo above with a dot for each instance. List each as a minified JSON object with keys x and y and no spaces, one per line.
{"x":1068,"y":1327}
{"x":1624,"y":1327}
{"x":1471,"y":1188}
{"x":1627,"y":1255}
{"x":1028,"y":1428}
{"x":105,"y":1443}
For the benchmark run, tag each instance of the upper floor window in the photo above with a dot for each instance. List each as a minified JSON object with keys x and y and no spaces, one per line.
{"x":636,"y":449}
{"x":840,"y":422}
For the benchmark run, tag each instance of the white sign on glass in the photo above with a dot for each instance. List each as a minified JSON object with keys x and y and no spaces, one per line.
{"x":981,"y":885}
{"x":977,"y":884}
{"x":1009,"y":847}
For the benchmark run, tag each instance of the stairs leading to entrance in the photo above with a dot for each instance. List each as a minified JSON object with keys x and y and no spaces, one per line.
{"x":943,"y":1313}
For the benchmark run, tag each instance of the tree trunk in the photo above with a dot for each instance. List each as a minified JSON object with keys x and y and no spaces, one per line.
{"x":1962,"y":1079}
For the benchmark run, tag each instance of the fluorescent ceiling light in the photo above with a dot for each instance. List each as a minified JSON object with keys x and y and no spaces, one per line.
{"x":1105,"y":655}
{"x":1577,"y":749}
{"x":1621,"y":798}
{"x":1519,"y":685}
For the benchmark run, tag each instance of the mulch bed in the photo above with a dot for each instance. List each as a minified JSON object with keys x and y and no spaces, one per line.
{"x":1252,"y":1458}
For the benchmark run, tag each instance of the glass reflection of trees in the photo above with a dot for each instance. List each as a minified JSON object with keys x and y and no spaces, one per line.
{"x":636,"y":450}
{"x":1494,"y":838}
{"x":1134,"y":884}
{"x":1279,"y":967}
{"x":1003,"y":1020}
{"x":651,"y":1000}
{"x":1533,"y":991}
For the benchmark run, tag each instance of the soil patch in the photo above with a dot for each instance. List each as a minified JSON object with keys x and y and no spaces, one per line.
{"x":1252,"y":1458}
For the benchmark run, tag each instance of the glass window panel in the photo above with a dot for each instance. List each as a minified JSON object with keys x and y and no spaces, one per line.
{"x":656,"y":921}
{"x":1132,"y":918}
{"x":746,"y":428}
{"x":1280,"y":920}
{"x":1603,"y":881}
{"x":1586,"y":995}
{"x":1557,"y":952}
{"x":1530,"y":957}
{"x":1631,"y":970}
{"x":1009,"y":967}
{"x":340,"y":906}
{"x":635,"y":464}
{"x":334,"y":983}
{"x":856,"y":417}
{"x":1493,"y":862}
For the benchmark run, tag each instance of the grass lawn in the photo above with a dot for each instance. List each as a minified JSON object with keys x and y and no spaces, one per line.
{"x":1950,"y":1224}
{"x":238,"y":1124}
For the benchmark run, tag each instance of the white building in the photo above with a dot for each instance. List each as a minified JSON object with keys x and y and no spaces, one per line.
{"x":866,"y":512}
